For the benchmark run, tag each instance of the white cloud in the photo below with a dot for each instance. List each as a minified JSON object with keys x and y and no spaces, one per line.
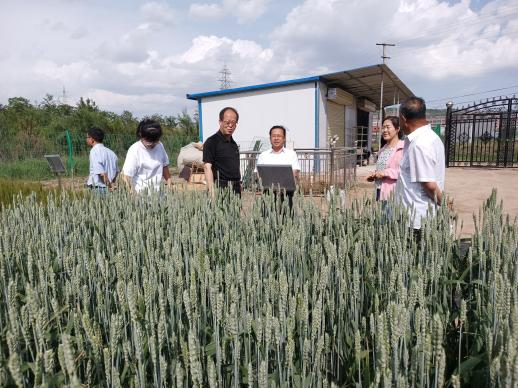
{"x":145,"y":68}
{"x":79,"y":33}
{"x":434,"y":39}
{"x":243,"y":10}
{"x":246,"y":10}
{"x":474,"y":44}
{"x":160,"y":14}
{"x":204,"y":48}
{"x":248,"y":61}
{"x":65,"y":73}
{"x":130,"y":47}
{"x":143,"y":103}
{"x":58,"y":26}
{"x":206,"y":11}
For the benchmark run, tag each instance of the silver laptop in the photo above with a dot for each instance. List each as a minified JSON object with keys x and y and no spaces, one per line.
{"x":278,"y":176}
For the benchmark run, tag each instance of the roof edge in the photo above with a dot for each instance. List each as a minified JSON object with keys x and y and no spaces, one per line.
{"x":197,"y":96}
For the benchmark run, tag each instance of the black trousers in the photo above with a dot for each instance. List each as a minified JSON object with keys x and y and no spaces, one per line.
{"x":234,"y":185}
{"x":278,"y":198}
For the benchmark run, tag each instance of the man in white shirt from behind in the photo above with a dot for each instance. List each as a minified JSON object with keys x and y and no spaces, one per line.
{"x":421,"y":180}
{"x":103,"y":162}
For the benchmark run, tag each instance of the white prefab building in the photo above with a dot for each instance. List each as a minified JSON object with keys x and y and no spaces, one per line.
{"x":311,"y":109}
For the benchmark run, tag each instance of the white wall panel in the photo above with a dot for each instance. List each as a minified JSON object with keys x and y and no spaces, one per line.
{"x":322,"y":116}
{"x":292,"y":106}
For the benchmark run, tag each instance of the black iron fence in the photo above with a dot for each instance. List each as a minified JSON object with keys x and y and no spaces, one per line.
{"x":483,"y":134}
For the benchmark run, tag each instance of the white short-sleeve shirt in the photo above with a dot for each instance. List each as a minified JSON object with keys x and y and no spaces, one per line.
{"x":102,"y":160}
{"x":145,"y":166}
{"x":284,"y":156}
{"x":423,"y":161}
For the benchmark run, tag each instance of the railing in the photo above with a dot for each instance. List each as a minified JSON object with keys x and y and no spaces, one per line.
{"x":320,"y":169}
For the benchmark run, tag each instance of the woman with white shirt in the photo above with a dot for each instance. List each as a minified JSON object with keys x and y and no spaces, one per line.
{"x":147,"y":163}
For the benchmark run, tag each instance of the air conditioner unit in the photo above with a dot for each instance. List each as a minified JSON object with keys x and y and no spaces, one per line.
{"x":340,"y":96}
{"x":366,"y":105}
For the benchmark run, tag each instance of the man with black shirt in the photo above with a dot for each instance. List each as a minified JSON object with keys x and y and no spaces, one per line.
{"x":221,"y":154}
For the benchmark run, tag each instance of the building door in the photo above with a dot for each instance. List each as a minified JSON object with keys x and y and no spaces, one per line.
{"x":336,"y":121}
{"x":362,"y":125}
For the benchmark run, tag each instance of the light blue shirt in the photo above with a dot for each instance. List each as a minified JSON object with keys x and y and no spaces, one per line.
{"x":102,"y":160}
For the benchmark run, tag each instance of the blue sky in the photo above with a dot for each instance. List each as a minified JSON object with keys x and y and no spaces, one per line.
{"x":144,"y":56}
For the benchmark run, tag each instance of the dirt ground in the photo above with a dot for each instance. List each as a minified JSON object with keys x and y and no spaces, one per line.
{"x":469,"y":188}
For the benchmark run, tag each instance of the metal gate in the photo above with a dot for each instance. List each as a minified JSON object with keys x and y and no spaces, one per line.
{"x":483,"y":134}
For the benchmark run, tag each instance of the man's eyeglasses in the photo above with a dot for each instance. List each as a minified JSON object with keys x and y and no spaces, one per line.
{"x":229,"y":123}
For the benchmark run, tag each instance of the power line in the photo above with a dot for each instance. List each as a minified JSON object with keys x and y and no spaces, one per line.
{"x":437,"y":106}
{"x":473,"y":94}
{"x":511,"y":33}
{"x":463,"y":22}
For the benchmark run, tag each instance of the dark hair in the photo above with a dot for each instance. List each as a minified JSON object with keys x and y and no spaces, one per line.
{"x":395,"y":122}
{"x":97,"y":134}
{"x":149,"y":129}
{"x":413,"y":108}
{"x":280,"y":127}
{"x":222,"y":113}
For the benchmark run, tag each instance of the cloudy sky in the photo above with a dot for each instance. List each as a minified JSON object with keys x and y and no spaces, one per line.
{"x":144,"y":56}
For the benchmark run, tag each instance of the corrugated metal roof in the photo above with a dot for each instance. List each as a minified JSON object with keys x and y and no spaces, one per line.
{"x":362,"y":82}
{"x":366,"y":82}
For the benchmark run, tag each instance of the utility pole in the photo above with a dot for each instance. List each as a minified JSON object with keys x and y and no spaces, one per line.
{"x":380,"y":117}
{"x":64,"y":96}
{"x":224,"y":81}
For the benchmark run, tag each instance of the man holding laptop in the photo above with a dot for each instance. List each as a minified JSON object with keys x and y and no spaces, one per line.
{"x":281,"y":157}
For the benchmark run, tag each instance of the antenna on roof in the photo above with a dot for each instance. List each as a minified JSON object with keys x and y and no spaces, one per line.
{"x":225,"y":81}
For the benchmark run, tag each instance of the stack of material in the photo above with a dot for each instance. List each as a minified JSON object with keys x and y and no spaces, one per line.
{"x":190,"y":160}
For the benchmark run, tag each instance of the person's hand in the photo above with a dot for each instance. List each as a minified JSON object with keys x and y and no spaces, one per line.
{"x":211,"y":192}
{"x":379,"y":175}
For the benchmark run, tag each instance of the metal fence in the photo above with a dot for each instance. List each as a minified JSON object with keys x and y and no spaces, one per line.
{"x":483,"y":134}
{"x":35,"y":147}
{"x":320,"y":169}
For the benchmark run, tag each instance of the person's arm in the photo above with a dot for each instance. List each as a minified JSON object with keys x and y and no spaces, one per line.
{"x":127,"y":181}
{"x":106,"y":180}
{"x":130,"y":168}
{"x":166,"y":175}
{"x":433,"y":191}
{"x":296,"y":175}
{"x":422,"y":170}
{"x":209,"y":177}
{"x":209,"y":156}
